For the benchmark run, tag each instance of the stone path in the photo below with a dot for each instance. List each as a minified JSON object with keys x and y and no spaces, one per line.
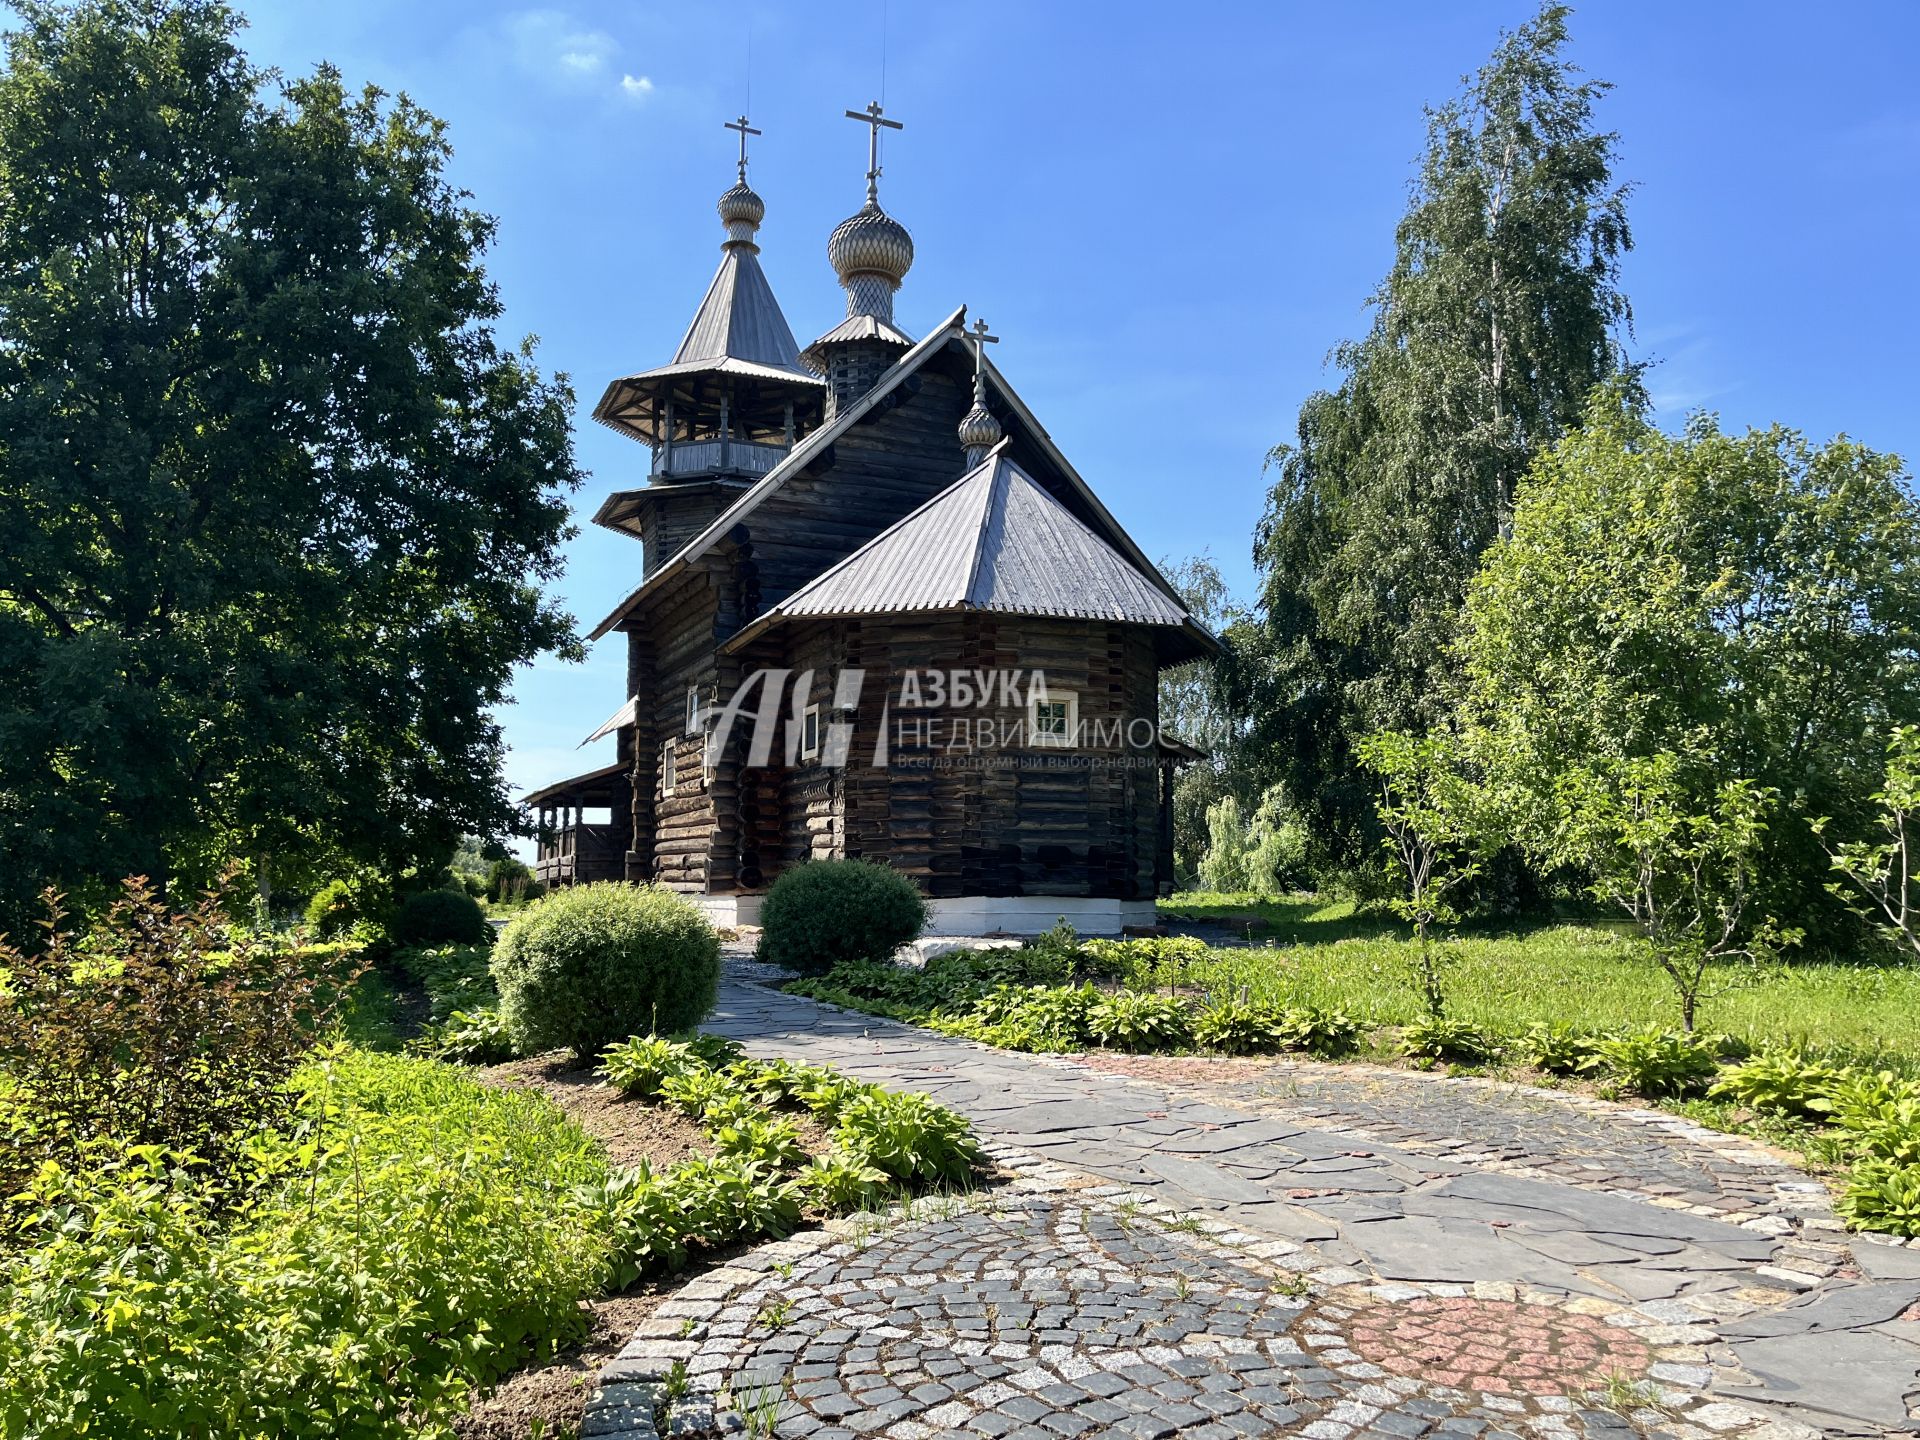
{"x":1334,"y":1252}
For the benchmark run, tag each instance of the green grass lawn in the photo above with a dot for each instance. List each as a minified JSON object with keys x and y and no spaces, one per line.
{"x":1592,"y":975}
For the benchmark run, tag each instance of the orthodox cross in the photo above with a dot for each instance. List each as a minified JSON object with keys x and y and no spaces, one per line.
{"x":874,"y":118}
{"x":745,"y":130}
{"x":980,"y":339}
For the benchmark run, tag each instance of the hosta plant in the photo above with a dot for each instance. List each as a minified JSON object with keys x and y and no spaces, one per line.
{"x":1655,"y":1063}
{"x":1882,"y":1195}
{"x":1322,"y":1032}
{"x":1555,"y":1048}
{"x":1139,"y":1023}
{"x":1456,"y":1042}
{"x":1780,"y":1082}
{"x":842,"y":1180}
{"x":1891,"y":1133}
{"x":640,"y":1065}
{"x":1243,"y":1027}
{"x":773,"y":1141}
{"x":908,"y":1136}
{"x":693,"y":1090}
{"x":467,"y":1037}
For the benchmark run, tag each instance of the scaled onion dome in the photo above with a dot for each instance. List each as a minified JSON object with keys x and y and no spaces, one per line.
{"x":741,"y":211}
{"x":871,"y":252}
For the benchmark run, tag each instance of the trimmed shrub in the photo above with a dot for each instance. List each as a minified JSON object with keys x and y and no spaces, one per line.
{"x":440,"y":917}
{"x":592,"y":964}
{"x":828,"y":911}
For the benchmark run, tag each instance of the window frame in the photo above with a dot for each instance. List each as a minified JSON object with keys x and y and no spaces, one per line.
{"x":810,"y":733}
{"x":693,"y":710}
{"x":1045,"y":739}
{"x":669,"y":767}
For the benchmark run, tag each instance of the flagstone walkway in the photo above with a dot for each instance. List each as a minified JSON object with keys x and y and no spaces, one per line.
{"x":1212,"y":1249}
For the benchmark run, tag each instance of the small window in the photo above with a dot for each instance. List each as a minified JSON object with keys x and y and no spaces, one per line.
{"x":669,"y":767}
{"x":810,"y":733}
{"x":693,"y":710}
{"x":1053,"y":718}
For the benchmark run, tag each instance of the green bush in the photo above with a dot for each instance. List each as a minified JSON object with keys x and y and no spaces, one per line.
{"x":840,"y":1181}
{"x":415,"y":1240}
{"x":1780,"y":1082}
{"x":351,"y":906}
{"x":827,"y":911}
{"x":1555,"y":1047}
{"x":1243,"y":1027}
{"x":440,"y":917}
{"x":908,"y":1136}
{"x":1453,"y":1042}
{"x":156,"y":1027}
{"x":1139,"y":1023}
{"x":593,"y":964}
{"x":1655,"y":1063}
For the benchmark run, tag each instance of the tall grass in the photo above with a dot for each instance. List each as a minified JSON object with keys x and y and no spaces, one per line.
{"x":1591,"y":975}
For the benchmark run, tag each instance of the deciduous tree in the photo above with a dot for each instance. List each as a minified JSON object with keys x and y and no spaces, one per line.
{"x":275,"y":504}
{"x":1500,"y":313}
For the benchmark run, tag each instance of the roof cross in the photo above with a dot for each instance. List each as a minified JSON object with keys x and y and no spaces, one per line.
{"x":980,"y":339}
{"x":745,"y":130}
{"x":874,"y":118}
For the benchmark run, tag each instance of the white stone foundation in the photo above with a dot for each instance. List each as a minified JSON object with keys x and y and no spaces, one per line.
{"x":977,"y":914}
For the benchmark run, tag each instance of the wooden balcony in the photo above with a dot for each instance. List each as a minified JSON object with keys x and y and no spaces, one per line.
{"x":702,"y":457}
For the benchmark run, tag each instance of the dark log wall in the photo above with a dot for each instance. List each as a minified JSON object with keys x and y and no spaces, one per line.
{"x":961,"y":820}
{"x":675,"y":515}
{"x":887,"y":465}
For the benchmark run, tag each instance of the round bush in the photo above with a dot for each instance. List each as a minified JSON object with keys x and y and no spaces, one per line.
{"x":440,"y":917}
{"x":826,"y":911}
{"x":344,"y":905}
{"x":591,"y":964}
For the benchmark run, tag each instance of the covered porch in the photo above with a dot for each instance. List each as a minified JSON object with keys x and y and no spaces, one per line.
{"x":585,"y":827}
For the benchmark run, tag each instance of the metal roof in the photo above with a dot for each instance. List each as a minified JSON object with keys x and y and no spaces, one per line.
{"x":740,"y":320}
{"x":993,"y":541}
{"x":596,"y":787}
{"x":854,"y":327}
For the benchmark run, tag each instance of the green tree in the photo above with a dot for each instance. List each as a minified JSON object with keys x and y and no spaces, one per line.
{"x":1883,"y":873}
{"x":1499,"y":315}
{"x":1194,"y":709}
{"x":1749,"y":605}
{"x":1439,"y":828}
{"x":1681,"y":865}
{"x":275,"y":506}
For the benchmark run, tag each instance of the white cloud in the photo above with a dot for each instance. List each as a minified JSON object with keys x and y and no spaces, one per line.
{"x":636,"y":87}
{"x":552,"y":45}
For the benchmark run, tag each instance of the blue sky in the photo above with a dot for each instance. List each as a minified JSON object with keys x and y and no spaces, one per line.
{"x":1169,"y":213}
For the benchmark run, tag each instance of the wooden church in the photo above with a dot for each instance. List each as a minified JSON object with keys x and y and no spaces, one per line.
{"x":879,"y":616}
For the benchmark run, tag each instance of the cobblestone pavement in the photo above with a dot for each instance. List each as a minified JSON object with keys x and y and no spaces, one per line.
{"x":1464,"y":1263}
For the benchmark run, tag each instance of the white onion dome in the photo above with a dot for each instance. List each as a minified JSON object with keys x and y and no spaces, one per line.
{"x":741,"y":211}
{"x":871,"y":243}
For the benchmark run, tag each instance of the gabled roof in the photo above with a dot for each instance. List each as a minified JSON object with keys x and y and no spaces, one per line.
{"x":993,"y":542}
{"x":952,"y":329}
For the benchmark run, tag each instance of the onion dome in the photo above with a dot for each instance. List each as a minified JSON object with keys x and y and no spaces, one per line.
{"x":871,"y":252}
{"x":979,"y":431}
{"x":741,"y":211}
